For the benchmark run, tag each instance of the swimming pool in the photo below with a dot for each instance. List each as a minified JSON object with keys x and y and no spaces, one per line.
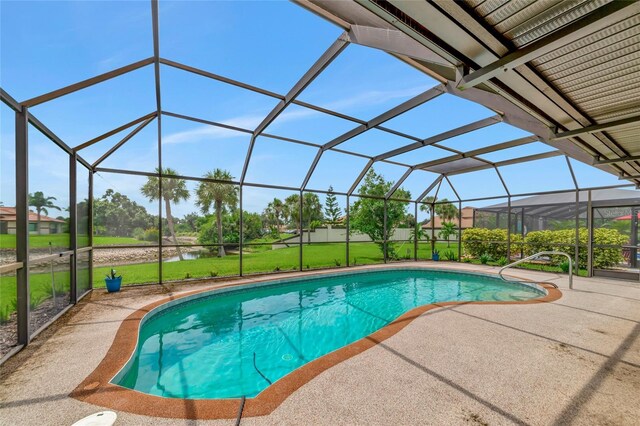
{"x":237,"y":342}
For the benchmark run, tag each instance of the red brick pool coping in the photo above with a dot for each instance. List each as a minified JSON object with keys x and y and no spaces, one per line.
{"x":96,"y":388}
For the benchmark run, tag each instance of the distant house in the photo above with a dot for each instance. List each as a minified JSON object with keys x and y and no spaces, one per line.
{"x":48,"y":225}
{"x":467,"y":220}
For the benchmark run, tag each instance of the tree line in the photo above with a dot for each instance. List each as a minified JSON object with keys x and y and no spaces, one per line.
{"x":217,"y":222}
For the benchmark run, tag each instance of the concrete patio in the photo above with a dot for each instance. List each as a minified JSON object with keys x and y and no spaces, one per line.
{"x":572,"y":361}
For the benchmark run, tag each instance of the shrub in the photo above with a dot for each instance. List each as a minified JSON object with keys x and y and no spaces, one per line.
{"x":138,"y":234}
{"x":502,"y":261}
{"x":337,"y":262}
{"x":603,"y":257}
{"x":517,"y":243}
{"x":479,"y":241}
{"x":450,"y":255}
{"x":407,"y":254}
{"x":5,"y":313}
{"x":564,"y":266}
{"x":391,"y":253}
{"x":485,"y":258}
{"x":37,"y":299}
{"x":213,"y":274}
{"x":563,"y":240}
{"x":151,"y":234}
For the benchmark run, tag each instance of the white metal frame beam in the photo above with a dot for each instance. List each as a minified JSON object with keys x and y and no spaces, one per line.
{"x":484,"y":150}
{"x":441,"y":137}
{"x":598,"y":128}
{"x":393,"y":41}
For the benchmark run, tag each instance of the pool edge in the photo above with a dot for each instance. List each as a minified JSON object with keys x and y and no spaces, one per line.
{"x":96,"y":388}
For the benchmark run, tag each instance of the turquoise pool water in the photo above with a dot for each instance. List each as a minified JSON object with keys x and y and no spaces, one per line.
{"x":235,"y":343}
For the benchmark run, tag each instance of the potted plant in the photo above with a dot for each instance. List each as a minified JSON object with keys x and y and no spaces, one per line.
{"x":435,"y":255}
{"x":113,"y":282}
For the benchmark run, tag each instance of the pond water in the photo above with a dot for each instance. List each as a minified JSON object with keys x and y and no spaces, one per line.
{"x":192,"y":255}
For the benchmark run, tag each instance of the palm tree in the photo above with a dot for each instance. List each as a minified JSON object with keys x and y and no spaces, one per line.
{"x":218,"y":195}
{"x":448,"y":229}
{"x":428,"y":206}
{"x":417,"y":233}
{"x":427,"y":202}
{"x":446,"y":210}
{"x":173,"y":190}
{"x":311,"y":212}
{"x":275,"y":211}
{"x":292,"y":211}
{"x":42,"y":204}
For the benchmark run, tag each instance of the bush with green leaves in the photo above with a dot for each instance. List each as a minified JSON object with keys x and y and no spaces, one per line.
{"x":151,"y":234}
{"x":138,"y":234}
{"x":479,"y":241}
{"x":36,"y":299}
{"x":603,"y":257}
{"x":391,"y":252}
{"x":7,"y":311}
{"x":564,"y":240}
{"x":450,"y":255}
{"x":485,"y":258}
{"x":252,"y":225}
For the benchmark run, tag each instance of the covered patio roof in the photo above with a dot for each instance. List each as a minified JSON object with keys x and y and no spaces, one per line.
{"x":563,"y":205}
{"x":565,"y":71}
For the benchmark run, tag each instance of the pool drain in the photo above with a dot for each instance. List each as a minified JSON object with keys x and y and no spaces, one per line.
{"x":287,"y":357}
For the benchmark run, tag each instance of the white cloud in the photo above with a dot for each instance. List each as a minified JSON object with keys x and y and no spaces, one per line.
{"x":375,"y":97}
{"x":250,"y":122}
{"x":207,"y":132}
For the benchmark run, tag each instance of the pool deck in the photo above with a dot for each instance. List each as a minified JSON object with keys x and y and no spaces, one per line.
{"x":575,"y":360}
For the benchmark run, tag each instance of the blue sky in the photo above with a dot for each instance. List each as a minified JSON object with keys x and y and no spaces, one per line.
{"x":48,"y":45}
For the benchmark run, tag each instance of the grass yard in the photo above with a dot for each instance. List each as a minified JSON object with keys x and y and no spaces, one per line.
{"x":262,"y":260}
{"x":41,"y":290}
{"x":270,"y":239}
{"x":267,"y":240}
{"x":62,"y":240}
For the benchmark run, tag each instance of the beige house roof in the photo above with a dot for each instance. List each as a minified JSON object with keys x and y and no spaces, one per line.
{"x":8,"y":214}
{"x":467,"y":220}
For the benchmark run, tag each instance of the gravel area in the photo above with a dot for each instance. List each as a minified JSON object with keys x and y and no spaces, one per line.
{"x":41,"y":315}
{"x":8,"y":335}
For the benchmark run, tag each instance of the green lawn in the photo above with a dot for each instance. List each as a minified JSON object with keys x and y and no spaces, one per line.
{"x":314,"y":256}
{"x":62,"y":240}
{"x":267,"y":241}
{"x":270,"y":239}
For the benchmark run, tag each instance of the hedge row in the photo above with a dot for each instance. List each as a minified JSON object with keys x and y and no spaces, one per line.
{"x":479,"y":241}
